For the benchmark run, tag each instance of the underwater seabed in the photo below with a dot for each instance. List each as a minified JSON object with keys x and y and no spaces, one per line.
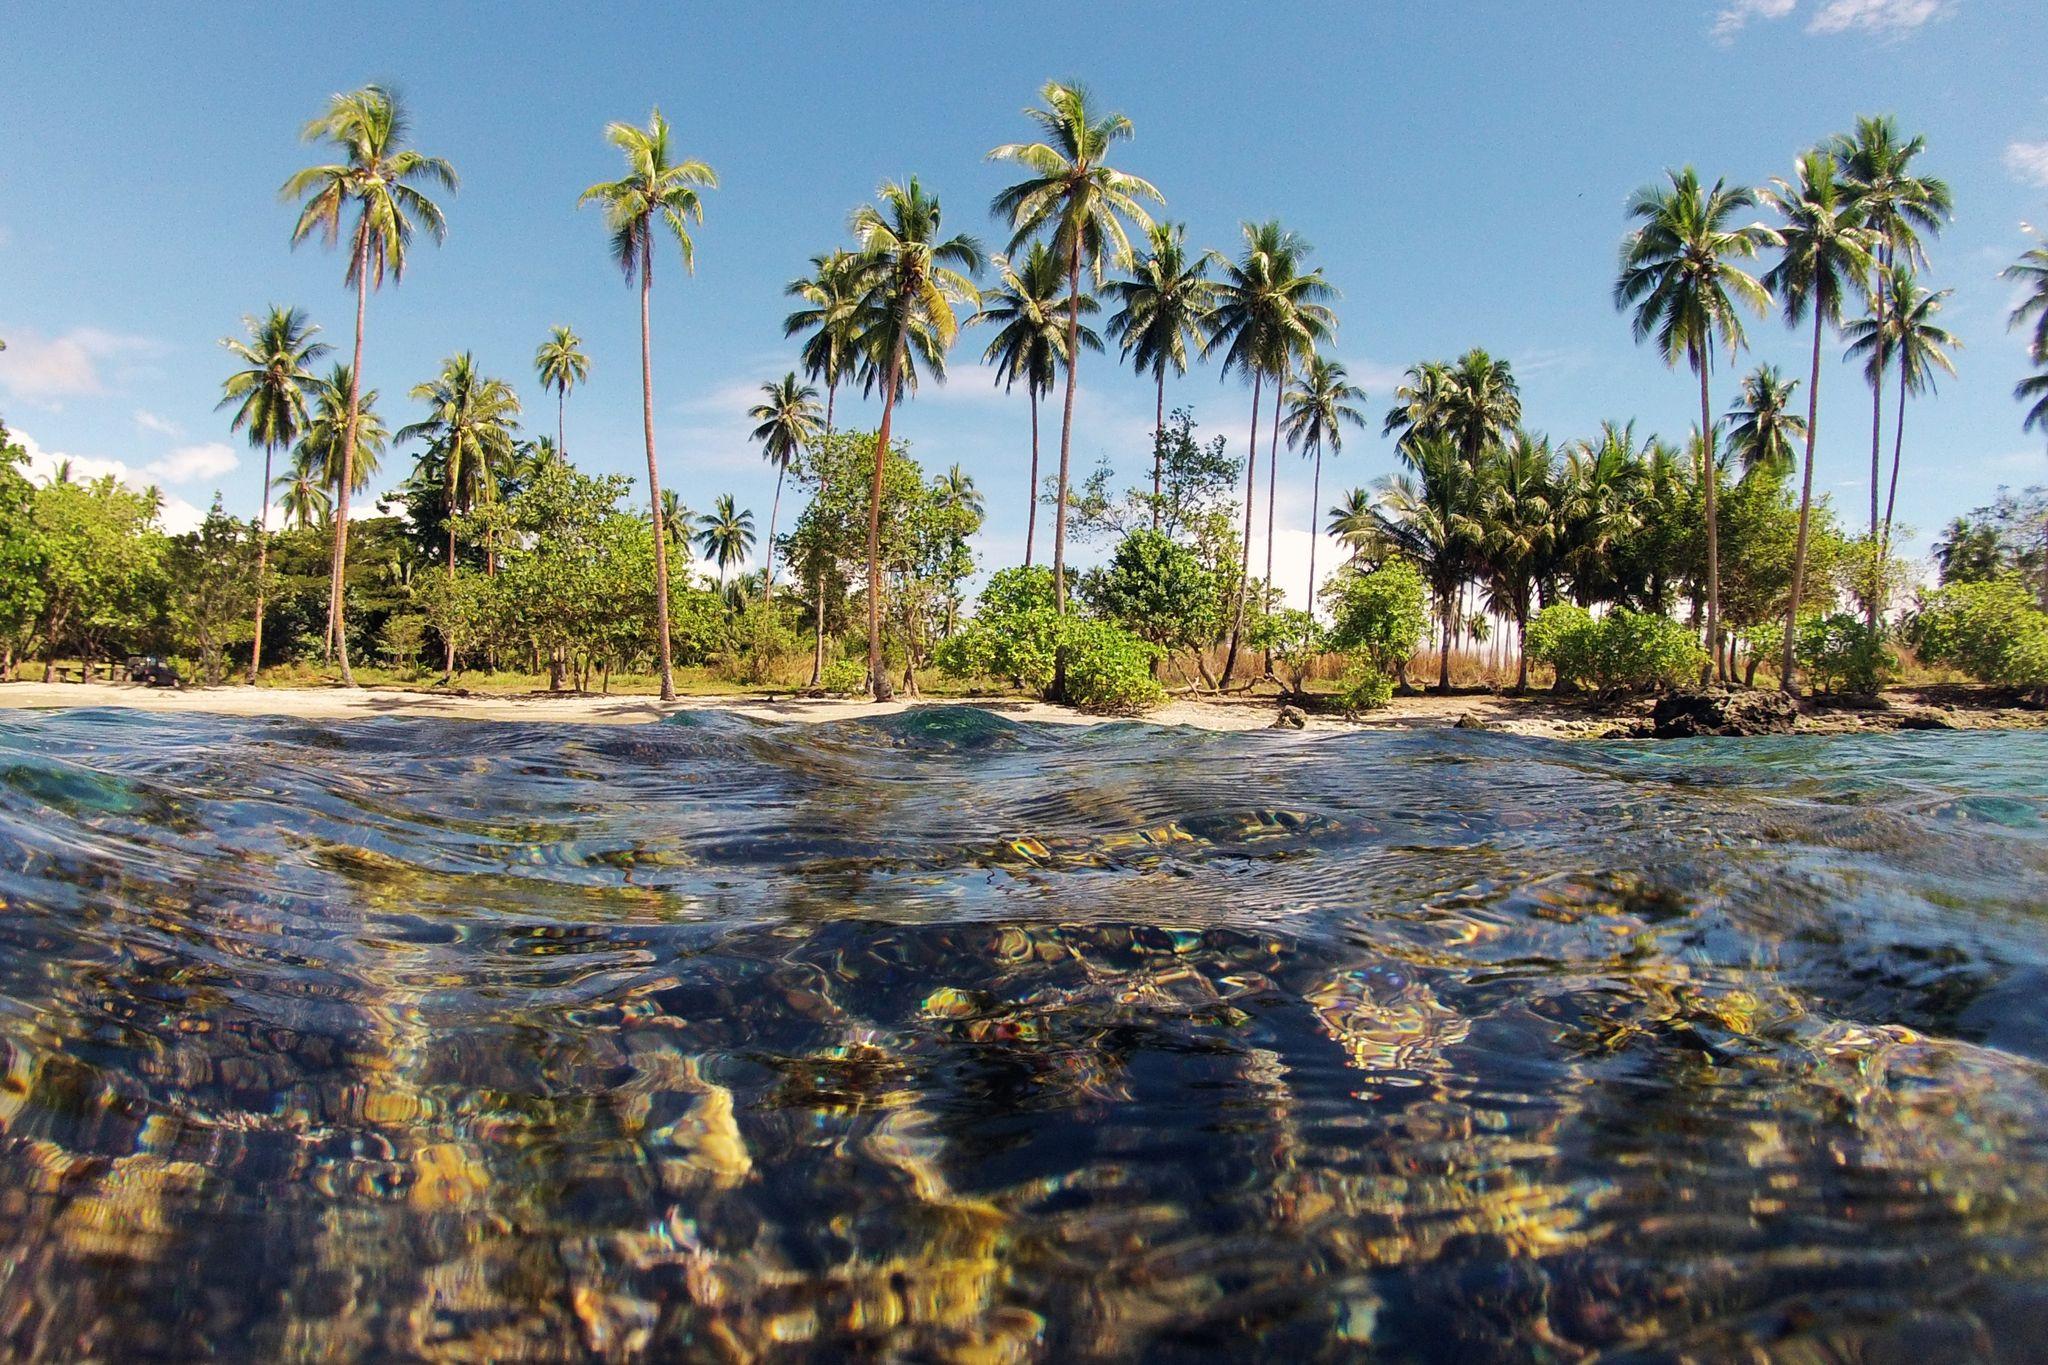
{"x":944,"y":1037}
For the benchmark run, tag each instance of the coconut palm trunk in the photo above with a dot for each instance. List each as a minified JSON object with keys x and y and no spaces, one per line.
{"x":262,"y":569}
{"x":1244,"y":570}
{"x":1786,"y":655}
{"x":1315,"y":497}
{"x":1273,"y":479}
{"x":818,"y":642}
{"x":1891,"y":497}
{"x":1876,"y":451}
{"x":1059,"y":513}
{"x":1031,"y":493}
{"x":1158,"y":441}
{"x":1711,"y":475}
{"x":878,"y":677}
{"x":336,"y":585}
{"x":774,"y":507}
{"x":668,"y":678}
{"x":562,"y":420}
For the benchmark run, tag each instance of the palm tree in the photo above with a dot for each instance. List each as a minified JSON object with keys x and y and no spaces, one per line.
{"x":1317,"y":414}
{"x":1677,"y":271}
{"x":469,"y":433}
{"x":1910,"y":334}
{"x":2033,"y":390}
{"x":1518,"y":520}
{"x":379,"y":177}
{"x":1432,"y":516}
{"x":1827,"y":255}
{"x":2031,"y":272}
{"x":912,"y":281}
{"x":1163,"y":312}
{"x":788,"y":418}
{"x":1762,"y":425}
{"x":725,"y":535}
{"x":831,"y":324}
{"x":1266,"y":313}
{"x":1030,"y":343}
{"x":655,"y":188}
{"x":320,"y":448}
{"x":1473,"y":403}
{"x":1596,"y":503}
{"x":561,"y":366}
{"x":270,"y":405}
{"x":1077,"y":201}
{"x":1352,"y":522}
{"x":302,"y":494}
{"x":1897,"y":206}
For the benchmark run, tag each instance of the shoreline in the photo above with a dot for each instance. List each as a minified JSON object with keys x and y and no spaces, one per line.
{"x":1939,"y":707}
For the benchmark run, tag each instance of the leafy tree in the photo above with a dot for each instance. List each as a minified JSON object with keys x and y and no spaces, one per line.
{"x":269,"y":398}
{"x":657,"y":191}
{"x":1678,"y":272}
{"x":1380,"y":614}
{"x":21,"y":555}
{"x":2006,"y":538}
{"x":214,"y":585}
{"x":1158,"y":590}
{"x":1292,"y":639}
{"x":101,"y":563}
{"x":1991,"y":629}
{"x":1077,"y":202}
{"x":379,"y":178}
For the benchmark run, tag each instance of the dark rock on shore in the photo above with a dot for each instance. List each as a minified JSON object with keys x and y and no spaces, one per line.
{"x":1290,"y":718}
{"x":1716,"y":711}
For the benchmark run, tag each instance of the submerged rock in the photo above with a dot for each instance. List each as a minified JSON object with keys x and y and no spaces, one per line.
{"x":1716,"y":711}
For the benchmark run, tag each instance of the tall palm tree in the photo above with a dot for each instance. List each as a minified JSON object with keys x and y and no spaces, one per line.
{"x":1267,"y":312}
{"x":725,"y":534}
{"x":912,"y":281}
{"x":830,"y":323}
{"x":269,"y":397}
{"x":561,"y":366}
{"x":1909,"y":335}
{"x":1317,"y":413}
{"x":1432,"y":514}
{"x":320,"y":447}
{"x":1030,"y":343}
{"x":1762,"y":425}
{"x":1518,"y":520}
{"x":1678,"y":272}
{"x":1596,"y":502}
{"x":1897,"y":205}
{"x":788,"y":422}
{"x":1828,"y":253}
{"x":1162,"y":315}
{"x":379,"y":179}
{"x":1073,"y":198}
{"x":2030,"y":271}
{"x":1352,"y":522}
{"x":302,"y":494}
{"x":656,"y":191}
{"x":2033,"y":391}
{"x":1474,"y":402}
{"x":469,"y":430}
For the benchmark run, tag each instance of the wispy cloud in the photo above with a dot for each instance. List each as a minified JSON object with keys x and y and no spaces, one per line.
{"x":46,"y":370}
{"x":162,"y":426}
{"x":2027,"y":161}
{"x":190,"y":464}
{"x":1737,"y":16}
{"x":1877,"y":16}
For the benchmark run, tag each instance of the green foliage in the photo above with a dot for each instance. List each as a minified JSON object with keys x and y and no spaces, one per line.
{"x":1155,"y":588}
{"x":403,"y":638}
{"x":1109,"y":670}
{"x":1623,"y":650}
{"x":1379,"y":613}
{"x":844,"y":678}
{"x":211,"y":573}
{"x":1991,"y":630}
{"x":1842,"y":654}
{"x":101,"y":566}
{"x":1364,"y":688}
{"x":1294,"y":638}
{"x":760,"y":647}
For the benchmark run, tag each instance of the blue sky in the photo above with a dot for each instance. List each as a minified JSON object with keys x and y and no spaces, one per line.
{"x":1460,"y":168}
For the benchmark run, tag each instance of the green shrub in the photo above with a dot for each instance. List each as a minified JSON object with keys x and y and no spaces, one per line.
{"x":1295,"y":641}
{"x":1014,"y":633}
{"x":1622,"y":650}
{"x":1381,"y":614}
{"x":844,"y":678}
{"x":1109,"y":670}
{"x":1364,"y":688}
{"x":1842,"y":654}
{"x":759,"y":645}
{"x":1156,"y":588}
{"x":1992,"y":631}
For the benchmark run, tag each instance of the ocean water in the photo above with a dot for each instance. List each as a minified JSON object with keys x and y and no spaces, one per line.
{"x":941,"y":1037}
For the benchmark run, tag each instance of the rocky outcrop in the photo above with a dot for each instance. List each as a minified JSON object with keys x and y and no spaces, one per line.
{"x":1290,"y":718}
{"x":1720,"y":711}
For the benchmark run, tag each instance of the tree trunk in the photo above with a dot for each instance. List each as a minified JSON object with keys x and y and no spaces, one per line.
{"x":1522,"y":649}
{"x":1031,"y":500}
{"x":773,"y":508}
{"x":1059,"y":511}
{"x":262,"y":566}
{"x":1315,"y":495}
{"x":1891,"y":497}
{"x":1786,"y":682}
{"x":1244,"y":572}
{"x":562,"y":422}
{"x":1444,"y":610}
{"x":448,"y":665}
{"x":337,"y":625}
{"x":1273,"y":479}
{"x":1158,"y":442}
{"x":818,"y":645}
{"x":1712,"y":474}
{"x":878,"y":677}
{"x":1876,"y":446}
{"x":668,"y":672}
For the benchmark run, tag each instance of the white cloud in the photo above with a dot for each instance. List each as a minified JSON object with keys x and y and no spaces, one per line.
{"x":189,"y":464}
{"x":178,"y":515}
{"x":44,"y":369}
{"x":162,"y":426}
{"x":2027,"y":161}
{"x":1876,"y":16}
{"x":1737,"y":15}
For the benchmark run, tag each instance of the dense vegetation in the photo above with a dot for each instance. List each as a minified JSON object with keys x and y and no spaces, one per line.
{"x":1615,"y":560}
